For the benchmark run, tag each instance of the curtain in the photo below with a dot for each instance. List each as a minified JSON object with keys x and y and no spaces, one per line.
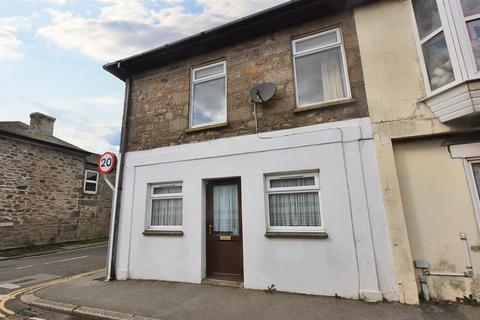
{"x":332,"y":74}
{"x":476,"y":174}
{"x":294,"y":209}
{"x":166,"y":212}
{"x":292,"y":182}
{"x":225,"y":209}
{"x":167,"y":189}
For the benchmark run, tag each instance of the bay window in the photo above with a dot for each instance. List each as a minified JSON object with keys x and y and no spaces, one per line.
{"x":470,"y":14}
{"x":448,"y":34}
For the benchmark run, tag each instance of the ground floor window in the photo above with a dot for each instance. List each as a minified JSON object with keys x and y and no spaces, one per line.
{"x":475,"y":165}
{"x":294,"y":202}
{"x":165,"y":207}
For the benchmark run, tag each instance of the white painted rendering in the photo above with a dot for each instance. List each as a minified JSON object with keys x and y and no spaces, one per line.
{"x":354,"y":262}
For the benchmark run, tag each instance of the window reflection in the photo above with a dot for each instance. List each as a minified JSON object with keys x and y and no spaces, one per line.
{"x":470,"y":7}
{"x":437,"y":61}
{"x":427,"y":17}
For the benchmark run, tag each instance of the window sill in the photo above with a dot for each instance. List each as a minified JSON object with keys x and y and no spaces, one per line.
{"x":325,"y":104}
{"x":164,"y":233}
{"x":297,"y":235}
{"x":6,"y":224}
{"x":207,"y":127}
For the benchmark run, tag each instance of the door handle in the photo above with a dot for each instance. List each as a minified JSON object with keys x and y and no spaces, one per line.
{"x":210,"y":227}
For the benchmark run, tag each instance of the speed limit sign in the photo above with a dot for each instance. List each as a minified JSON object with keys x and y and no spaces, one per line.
{"x":107,"y":162}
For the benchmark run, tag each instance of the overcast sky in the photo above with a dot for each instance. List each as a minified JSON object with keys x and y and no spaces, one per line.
{"x":52,"y":52}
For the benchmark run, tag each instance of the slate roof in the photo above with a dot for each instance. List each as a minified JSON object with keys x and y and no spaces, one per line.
{"x":21,"y":130}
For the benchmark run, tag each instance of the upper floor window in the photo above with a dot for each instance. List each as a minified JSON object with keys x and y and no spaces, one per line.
{"x":208,"y":102}
{"x":471,"y":17}
{"x":320,"y":69}
{"x":90,"y":183}
{"x":449,"y":40}
{"x":432,"y":41}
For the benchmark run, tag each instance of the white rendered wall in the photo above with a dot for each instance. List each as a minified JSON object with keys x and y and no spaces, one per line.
{"x":355,"y":261}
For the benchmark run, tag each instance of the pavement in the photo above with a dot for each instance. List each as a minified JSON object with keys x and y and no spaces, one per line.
{"x":90,"y":297}
{"x":22,"y":274}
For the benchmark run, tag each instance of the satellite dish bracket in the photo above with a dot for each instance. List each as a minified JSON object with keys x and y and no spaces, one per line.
{"x":261,"y":93}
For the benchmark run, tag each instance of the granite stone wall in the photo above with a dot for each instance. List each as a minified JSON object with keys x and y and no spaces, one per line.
{"x":42,"y":199}
{"x":160,"y":97}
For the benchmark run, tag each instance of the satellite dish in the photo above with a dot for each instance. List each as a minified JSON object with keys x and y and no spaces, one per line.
{"x":263,"y":92}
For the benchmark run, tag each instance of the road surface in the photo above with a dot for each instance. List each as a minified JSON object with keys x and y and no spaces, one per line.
{"x":25,"y":272}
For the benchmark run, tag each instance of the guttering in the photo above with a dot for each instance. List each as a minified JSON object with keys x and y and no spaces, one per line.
{"x":290,"y":13}
{"x":112,"y":254}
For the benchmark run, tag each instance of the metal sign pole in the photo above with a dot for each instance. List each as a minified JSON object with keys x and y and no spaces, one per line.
{"x":112,"y":221}
{"x":106,"y":164}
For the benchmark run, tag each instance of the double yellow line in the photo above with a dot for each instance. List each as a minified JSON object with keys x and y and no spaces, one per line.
{"x":12,"y":295}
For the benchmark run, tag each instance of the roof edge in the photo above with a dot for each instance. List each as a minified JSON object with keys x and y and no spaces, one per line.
{"x":120,"y":67}
{"x":22,"y":137}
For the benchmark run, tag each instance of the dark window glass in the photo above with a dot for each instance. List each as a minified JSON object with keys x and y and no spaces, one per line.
{"x":427,"y":17}
{"x":91,"y":176}
{"x":90,"y":187}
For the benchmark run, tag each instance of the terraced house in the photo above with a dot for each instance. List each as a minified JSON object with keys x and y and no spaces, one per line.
{"x":421,"y":63}
{"x":335,"y":185}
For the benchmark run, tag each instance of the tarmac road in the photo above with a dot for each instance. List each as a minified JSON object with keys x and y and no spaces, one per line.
{"x":25,"y":272}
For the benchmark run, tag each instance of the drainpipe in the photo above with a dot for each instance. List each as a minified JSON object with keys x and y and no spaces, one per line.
{"x":111,"y":267}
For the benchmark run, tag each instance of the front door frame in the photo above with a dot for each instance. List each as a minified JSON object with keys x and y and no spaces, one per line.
{"x":209,"y":184}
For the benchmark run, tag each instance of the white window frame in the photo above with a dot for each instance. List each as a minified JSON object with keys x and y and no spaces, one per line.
{"x":296,"y":55}
{"x":91,"y":182}
{"x":454,"y":28}
{"x":460,"y":22}
{"x":314,"y":188}
{"x":193,"y":82}
{"x":469,"y":153}
{"x":473,"y":186}
{"x":152,"y":196}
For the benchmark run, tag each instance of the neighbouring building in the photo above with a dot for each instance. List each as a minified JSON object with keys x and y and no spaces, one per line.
{"x":50,"y":190}
{"x":421,"y":62}
{"x":286,"y":194}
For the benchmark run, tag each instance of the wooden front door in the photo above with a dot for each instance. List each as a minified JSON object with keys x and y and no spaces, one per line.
{"x":224,"y":230}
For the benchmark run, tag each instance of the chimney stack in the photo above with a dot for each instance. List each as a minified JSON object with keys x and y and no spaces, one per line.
{"x":41,"y":124}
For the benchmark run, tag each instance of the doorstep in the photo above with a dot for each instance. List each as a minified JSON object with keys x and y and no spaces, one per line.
{"x":222,"y":283}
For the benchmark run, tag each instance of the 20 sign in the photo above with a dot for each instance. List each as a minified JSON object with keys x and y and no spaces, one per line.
{"x":107,"y":162}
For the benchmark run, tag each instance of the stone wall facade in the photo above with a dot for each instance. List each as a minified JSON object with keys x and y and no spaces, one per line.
{"x":42,"y":199}
{"x":160,"y":99}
